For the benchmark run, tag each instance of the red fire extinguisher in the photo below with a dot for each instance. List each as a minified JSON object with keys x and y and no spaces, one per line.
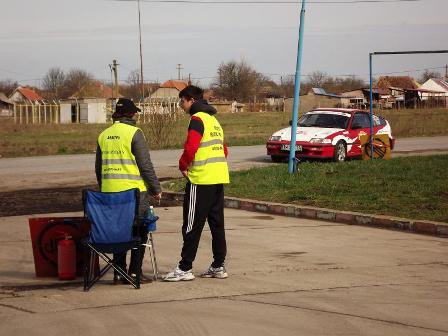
{"x":66,"y":258}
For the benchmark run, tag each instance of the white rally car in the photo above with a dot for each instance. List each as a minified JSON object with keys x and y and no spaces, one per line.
{"x":328,"y":133}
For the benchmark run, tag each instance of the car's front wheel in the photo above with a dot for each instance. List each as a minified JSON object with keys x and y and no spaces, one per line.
{"x":340,"y":152}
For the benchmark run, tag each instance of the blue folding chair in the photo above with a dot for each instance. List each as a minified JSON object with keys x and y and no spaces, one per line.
{"x":112,"y":216}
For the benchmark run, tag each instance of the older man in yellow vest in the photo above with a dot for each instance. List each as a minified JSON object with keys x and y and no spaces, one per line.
{"x":123,"y":162}
{"x":204,"y":165}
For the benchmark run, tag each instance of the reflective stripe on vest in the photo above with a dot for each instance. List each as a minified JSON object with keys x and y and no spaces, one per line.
{"x":122,"y":176}
{"x":209,"y":165}
{"x":211,"y":143}
{"x":119,"y":170}
{"x":119,"y":161}
{"x":210,"y":160}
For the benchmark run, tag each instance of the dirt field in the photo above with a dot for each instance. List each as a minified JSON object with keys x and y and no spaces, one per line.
{"x":27,"y":202}
{"x":40,"y":201}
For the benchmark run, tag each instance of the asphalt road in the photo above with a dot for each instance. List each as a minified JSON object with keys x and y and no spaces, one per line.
{"x":76,"y":170}
{"x":287,"y":276}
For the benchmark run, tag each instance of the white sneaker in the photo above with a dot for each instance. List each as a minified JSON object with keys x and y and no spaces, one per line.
{"x":218,"y":272}
{"x":179,"y":275}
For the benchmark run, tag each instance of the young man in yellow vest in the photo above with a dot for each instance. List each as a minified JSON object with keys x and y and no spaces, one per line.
{"x":122,"y":163}
{"x":204,"y":165}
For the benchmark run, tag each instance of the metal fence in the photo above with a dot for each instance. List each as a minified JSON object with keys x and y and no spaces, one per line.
{"x":36,"y":114}
{"x":152,"y":110}
{"x":50,"y":113}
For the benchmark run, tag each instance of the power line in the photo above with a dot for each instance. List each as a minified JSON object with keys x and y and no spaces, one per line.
{"x":361,"y":75}
{"x":13,"y":72}
{"x":270,"y":75}
{"x":210,"y":2}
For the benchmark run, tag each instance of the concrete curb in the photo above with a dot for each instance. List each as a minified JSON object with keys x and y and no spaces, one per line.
{"x":353,"y":218}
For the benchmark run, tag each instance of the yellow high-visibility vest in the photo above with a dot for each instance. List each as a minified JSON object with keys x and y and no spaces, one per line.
{"x":209,"y":165}
{"x":119,"y":169}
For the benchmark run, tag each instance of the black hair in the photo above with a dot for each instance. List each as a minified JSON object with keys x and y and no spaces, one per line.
{"x":192,"y":92}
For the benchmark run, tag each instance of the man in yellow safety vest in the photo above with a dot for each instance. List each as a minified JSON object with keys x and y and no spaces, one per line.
{"x":204,"y":165}
{"x":123,"y":162}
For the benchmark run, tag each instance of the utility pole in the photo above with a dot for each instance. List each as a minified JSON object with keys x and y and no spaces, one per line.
{"x":446,"y":72}
{"x":189,"y":79}
{"x":141,"y":58}
{"x":112,"y":81}
{"x":114,"y":69}
{"x":179,"y":67}
{"x":292,"y":162}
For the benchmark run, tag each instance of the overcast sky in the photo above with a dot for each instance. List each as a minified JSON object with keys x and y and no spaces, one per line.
{"x":89,"y":34}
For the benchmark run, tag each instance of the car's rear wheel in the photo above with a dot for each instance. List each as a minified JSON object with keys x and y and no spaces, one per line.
{"x":340,"y":152}
{"x":277,"y":159}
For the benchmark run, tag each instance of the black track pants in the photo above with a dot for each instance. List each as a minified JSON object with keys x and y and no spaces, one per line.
{"x":203,"y":202}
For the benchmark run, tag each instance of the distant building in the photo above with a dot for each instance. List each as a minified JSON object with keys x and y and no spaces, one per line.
{"x":333,"y":99}
{"x":6,"y":106}
{"x":169,"y":90}
{"x":397,"y":86}
{"x":84,"y":111}
{"x":323,"y":93}
{"x":94,"y":90}
{"x":360,"y":98}
{"x":26,"y":95}
{"x":353,"y":99}
{"x":439,"y":88}
{"x":396,"y":82}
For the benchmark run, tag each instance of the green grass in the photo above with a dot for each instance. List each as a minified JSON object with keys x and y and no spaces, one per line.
{"x":417,"y":122}
{"x":251,"y":128}
{"x":412,"y":187}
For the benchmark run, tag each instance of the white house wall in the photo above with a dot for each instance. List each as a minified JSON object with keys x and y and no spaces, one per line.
{"x":433,"y":86}
{"x":166,"y":93}
{"x":17,"y":97}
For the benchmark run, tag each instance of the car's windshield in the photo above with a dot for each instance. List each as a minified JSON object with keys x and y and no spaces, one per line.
{"x":325,"y":120}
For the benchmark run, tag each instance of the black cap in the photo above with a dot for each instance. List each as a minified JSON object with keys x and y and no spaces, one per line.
{"x":124,"y":108}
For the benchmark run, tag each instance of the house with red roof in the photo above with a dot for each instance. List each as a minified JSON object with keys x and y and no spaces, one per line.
{"x":94,"y":89}
{"x":397,"y":82}
{"x":169,"y":90}
{"x":26,"y":95}
{"x":397,"y":86}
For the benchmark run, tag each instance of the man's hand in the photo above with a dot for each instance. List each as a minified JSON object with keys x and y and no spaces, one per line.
{"x":185,"y":173}
{"x":158,"y":197}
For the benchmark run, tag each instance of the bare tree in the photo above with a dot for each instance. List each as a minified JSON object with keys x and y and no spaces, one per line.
{"x":54,"y":82}
{"x":237,"y":80}
{"x":133,"y":88}
{"x":428,"y":74}
{"x":317,"y":78}
{"x":75,"y":80}
{"x":287,"y":86}
{"x":7,"y":86}
{"x":340,"y":84}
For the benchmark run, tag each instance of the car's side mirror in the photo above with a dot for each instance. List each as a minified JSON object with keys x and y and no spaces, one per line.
{"x":356,"y":126}
{"x":290,"y":123}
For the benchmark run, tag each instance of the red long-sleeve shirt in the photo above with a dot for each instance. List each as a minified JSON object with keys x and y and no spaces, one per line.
{"x":194,"y":137}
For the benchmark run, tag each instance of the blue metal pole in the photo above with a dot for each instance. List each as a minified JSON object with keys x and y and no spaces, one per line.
{"x":371,"y":105}
{"x":295,"y":110}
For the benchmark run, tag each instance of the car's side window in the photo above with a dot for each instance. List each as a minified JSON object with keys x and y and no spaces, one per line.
{"x":378,"y":121}
{"x":361,"y":120}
